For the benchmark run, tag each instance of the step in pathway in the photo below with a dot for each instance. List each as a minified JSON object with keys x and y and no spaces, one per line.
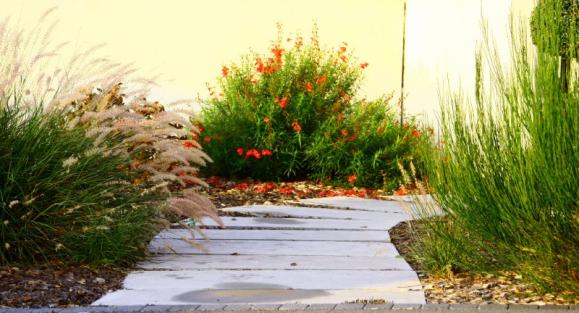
{"x":337,"y":250}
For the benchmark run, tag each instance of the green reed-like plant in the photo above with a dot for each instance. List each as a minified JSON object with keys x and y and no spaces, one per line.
{"x":506,"y":171}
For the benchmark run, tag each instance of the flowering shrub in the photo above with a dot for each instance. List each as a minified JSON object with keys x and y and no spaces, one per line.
{"x":291,"y":114}
{"x":270,"y":106}
{"x":363,"y":146}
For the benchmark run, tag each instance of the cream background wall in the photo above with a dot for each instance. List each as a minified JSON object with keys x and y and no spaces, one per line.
{"x":187,"y":41}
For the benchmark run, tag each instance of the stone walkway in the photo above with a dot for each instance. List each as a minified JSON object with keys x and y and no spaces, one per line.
{"x":336,"y":252}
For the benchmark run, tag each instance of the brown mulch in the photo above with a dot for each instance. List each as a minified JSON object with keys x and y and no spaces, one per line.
{"x":69,"y":285}
{"x":52,"y":285}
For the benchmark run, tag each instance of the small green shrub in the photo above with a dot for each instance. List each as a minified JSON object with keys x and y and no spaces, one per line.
{"x":363,"y":146}
{"x":59,"y":199}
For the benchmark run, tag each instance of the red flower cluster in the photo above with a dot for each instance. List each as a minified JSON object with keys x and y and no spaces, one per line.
{"x":309,"y":87}
{"x":281,"y":102}
{"x":401,"y":191}
{"x":321,"y":80}
{"x":278,"y":53}
{"x":352,"y":178}
{"x":364,"y":65}
{"x":224,"y":71}
{"x":254,"y":153}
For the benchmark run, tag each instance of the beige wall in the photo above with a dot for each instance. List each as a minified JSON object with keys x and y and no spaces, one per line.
{"x":187,"y":41}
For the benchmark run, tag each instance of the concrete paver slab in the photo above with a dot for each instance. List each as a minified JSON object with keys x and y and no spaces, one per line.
{"x":261,"y":296}
{"x":358,"y":204}
{"x":272,"y":279}
{"x":271,"y":247}
{"x":305,"y":212}
{"x":269,"y":234}
{"x":273,"y":262}
{"x":302,"y":223}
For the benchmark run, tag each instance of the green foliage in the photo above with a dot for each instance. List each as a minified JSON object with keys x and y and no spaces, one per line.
{"x":506,"y":173}
{"x":363,"y":145}
{"x":275,"y":103}
{"x":60,"y":198}
{"x":561,"y":20}
{"x":278,"y":118}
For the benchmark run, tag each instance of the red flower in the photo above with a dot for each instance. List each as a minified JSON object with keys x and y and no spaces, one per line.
{"x":254,"y":81}
{"x":266,"y":120}
{"x":281,"y":102}
{"x":352,"y":178}
{"x":343,"y":58}
{"x":254,"y":153}
{"x":240,"y":151}
{"x":296,"y":126}
{"x":224,"y":71}
{"x":342,"y":49}
{"x":266,"y":152}
{"x":199,"y":126}
{"x":268,"y":69}
{"x":213,"y":180}
{"x":241,"y":186}
{"x":259,"y":64}
{"x":207,"y":139}
{"x":416,"y":133}
{"x":287,"y":190}
{"x":344,"y":132}
{"x":321,"y":80}
{"x":401,"y":191}
{"x":364,"y":65}
{"x":215,"y":136}
{"x":277,"y":52}
{"x":309,"y":87}
{"x":188,"y":144}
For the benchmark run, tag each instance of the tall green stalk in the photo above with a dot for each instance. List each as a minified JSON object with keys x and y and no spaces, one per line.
{"x":506,"y":171}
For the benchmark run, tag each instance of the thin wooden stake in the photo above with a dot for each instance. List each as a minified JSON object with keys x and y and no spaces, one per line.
{"x":403,"y":60}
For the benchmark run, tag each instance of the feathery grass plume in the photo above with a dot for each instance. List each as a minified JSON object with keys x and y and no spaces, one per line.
{"x":30,"y":76}
{"x":158,"y":143}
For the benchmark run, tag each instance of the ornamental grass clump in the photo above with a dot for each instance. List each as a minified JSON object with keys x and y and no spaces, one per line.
{"x":59,"y":200}
{"x":87,"y":173}
{"x":506,"y":170}
{"x":283,"y":115}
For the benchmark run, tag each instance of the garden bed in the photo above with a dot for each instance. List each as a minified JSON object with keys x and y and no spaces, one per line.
{"x":66,"y":285}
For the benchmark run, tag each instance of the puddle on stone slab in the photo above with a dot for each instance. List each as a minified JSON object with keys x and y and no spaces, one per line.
{"x":247,"y":293}
{"x":279,"y":221}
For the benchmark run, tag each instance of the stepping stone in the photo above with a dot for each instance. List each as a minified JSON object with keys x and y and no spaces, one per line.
{"x":178,"y":262}
{"x":302,"y":223}
{"x":256,"y":296}
{"x":303,"y":212}
{"x":271,"y":247}
{"x":235,"y":279}
{"x":288,"y":235}
{"x":361,"y":204}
